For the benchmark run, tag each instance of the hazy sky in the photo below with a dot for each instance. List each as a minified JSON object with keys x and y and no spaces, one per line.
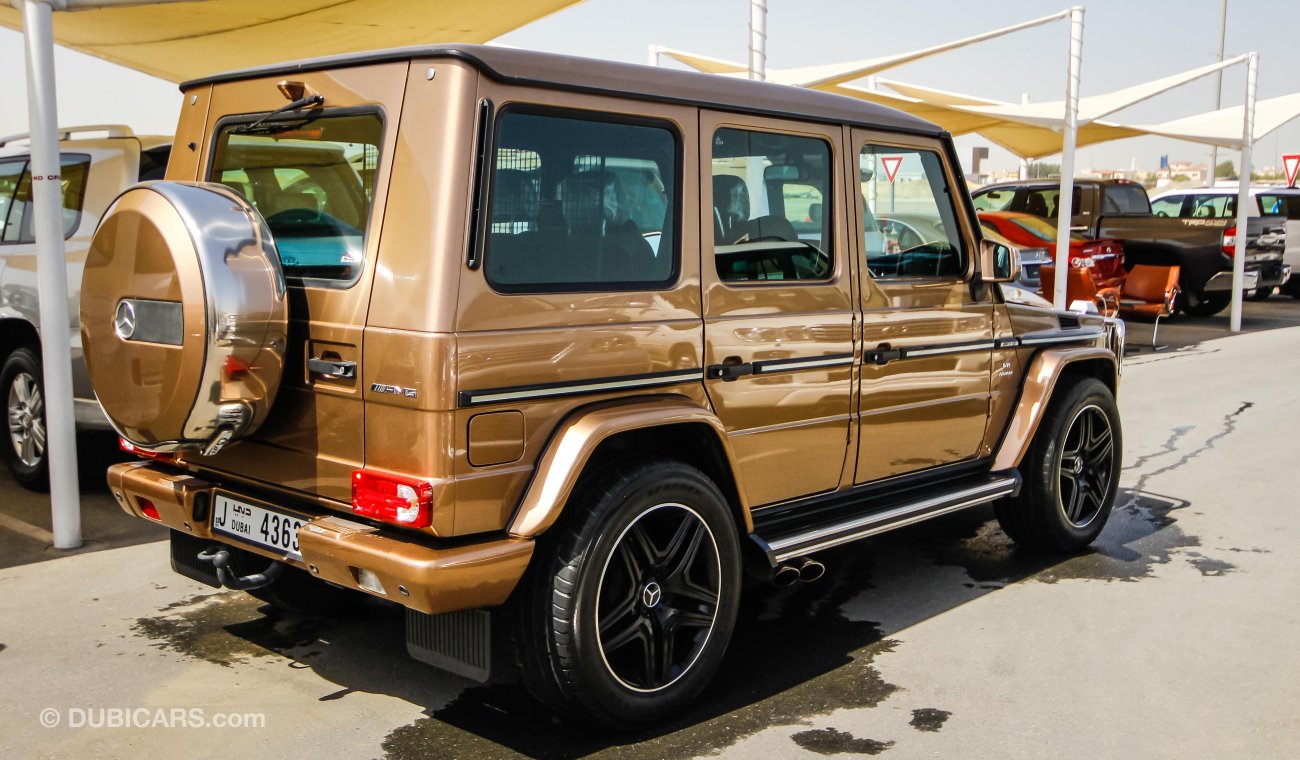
{"x":1125,"y":42}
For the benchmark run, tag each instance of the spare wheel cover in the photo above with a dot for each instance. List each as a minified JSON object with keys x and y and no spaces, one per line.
{"x":183,"y":316}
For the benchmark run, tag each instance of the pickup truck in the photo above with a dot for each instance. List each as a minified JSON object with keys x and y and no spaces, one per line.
{"x":1202,"y":247}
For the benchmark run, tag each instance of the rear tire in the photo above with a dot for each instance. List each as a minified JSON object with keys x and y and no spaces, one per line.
{"x":1259,"y":294}
{"x":1202,"y":304}
{"x":22,"y":388}
{"x":631,"y":600}
{"x":1071,"y":472}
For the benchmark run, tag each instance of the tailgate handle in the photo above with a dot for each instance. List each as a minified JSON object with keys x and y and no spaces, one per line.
{"x":330,"y":368}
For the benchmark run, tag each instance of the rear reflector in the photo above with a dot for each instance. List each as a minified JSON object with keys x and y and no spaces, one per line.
{"x":392,"y":498}
{"x":147,"y":508}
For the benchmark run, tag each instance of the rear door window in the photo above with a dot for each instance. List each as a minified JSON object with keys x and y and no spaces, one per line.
{"x":1212,"y":206}
{"x":910,"y":223}
{"x":313,"y":180}
{"x":18,"y":215}
{"x":1170,"y":206}
{"x":771,"y":196}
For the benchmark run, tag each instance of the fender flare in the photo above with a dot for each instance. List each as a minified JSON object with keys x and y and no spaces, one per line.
{"x":578,"y":437}
{"x":1040,"y":382}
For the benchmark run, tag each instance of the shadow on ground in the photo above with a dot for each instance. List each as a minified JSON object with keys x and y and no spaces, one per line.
{"x":798,"y":652}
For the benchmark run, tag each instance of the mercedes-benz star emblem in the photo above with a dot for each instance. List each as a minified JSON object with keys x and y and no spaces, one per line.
{"x":124,"y":320}
{"x":651,"y":595}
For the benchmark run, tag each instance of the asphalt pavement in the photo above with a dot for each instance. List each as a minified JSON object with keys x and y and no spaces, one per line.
{"x":1172,"y":637}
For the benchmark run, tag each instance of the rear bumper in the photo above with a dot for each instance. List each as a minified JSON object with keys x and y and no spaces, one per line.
{"x":1222,"y":282}
{"x":411,"y":571}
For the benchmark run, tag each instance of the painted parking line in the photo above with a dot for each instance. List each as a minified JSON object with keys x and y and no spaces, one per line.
{"x":25,"y":528}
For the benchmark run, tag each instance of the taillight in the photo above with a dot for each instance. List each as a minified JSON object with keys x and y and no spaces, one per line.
{"x":1230,"y":241}
{"x":392,"y":498}
{"x":157,"y":456}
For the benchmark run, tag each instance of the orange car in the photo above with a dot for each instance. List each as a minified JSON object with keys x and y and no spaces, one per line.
{"x":1105,"y":258}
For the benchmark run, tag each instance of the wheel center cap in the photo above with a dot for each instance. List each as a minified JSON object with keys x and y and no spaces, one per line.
{"x":652,"y":594}
{"x":1078,"y":465}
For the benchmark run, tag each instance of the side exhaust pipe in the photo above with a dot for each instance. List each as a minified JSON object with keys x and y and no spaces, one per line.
{"x":785,"y":575}
{"x":804,"y":569}
{"x":811,"y":570}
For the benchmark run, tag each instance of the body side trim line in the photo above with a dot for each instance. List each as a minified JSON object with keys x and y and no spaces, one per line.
{"x":594,"y":385}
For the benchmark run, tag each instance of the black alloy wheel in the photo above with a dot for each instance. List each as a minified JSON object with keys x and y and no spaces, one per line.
{"x":1086,"y":466}
{"x":657,"y":599}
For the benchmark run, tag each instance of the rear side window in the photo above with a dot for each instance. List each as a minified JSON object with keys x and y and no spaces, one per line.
{"x":11,"y":172}
{"x":1125,"y":199}
{"x":910,"y":225}
{"x":581,"y":204}
{"x":16,"y":210}
{"x":313,"y":180}
{"x":1213,"y":206}
{"x":771,"y":201}
{"x":1286,"y":205}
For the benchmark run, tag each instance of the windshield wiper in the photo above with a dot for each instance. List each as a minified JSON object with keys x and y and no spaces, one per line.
{"x":261,"y":126}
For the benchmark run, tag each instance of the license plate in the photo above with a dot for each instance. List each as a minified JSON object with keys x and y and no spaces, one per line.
{"x":267,"y":528}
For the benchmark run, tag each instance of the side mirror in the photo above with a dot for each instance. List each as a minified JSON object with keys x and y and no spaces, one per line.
{"x":998,"y":262}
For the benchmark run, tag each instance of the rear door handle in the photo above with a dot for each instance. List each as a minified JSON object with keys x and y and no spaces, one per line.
{"x":330,"y":368}
{"x":730,"y":369}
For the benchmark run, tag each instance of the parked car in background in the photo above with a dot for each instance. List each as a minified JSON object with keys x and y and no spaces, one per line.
{"x":1031,"y":261}
{"x":98,"y":163}
{"x":1104,"y":258}
{"x":1208,"y":202}
{"x":1118,"y":209}
{"x":542,"y":411}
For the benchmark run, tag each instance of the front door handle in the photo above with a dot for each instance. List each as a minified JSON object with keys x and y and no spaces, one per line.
{"x":331,"y":368}
{"x":730,"y":369}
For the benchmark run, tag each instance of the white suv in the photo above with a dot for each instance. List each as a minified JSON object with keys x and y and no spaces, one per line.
{"x":1188,"y":203}
{"x":98,"y":163}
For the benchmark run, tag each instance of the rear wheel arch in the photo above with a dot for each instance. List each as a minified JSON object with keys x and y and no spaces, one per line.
{"x":589,"y":442}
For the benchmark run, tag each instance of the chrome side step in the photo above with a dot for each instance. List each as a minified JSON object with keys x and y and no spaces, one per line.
{"x":853,"y":527}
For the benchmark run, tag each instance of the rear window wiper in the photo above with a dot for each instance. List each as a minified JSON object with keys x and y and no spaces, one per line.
{"x":260,"y":126}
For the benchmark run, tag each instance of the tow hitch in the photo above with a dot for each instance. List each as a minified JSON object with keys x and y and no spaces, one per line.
{"x":220,"y":559}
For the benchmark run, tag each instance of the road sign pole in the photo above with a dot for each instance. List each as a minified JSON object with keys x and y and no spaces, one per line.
{"x":1065,"y":201}
{"x":1243,"y":191}
{"x":52,"y":276}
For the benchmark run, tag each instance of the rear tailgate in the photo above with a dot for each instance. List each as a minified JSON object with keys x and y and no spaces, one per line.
{"x":1196,"y":245}
{"x":321,"y":184}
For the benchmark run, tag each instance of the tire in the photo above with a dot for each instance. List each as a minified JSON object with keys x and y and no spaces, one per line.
{"x":1201,"y":304}
{"x":1259,"y":294}
{"x":22,"y":390}
{"x":1062,"y":507}
{"x":631,"y":600}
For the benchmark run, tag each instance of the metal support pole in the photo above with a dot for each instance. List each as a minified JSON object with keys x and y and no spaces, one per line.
{"x":1064,"y":202}
{"x":52,"y":275}
{"x":1024,"y":162}
{"x":1218,"y":90}
{"x":758,"y":39}
{"x":1243,"y":191}
{"x":655,"y":52}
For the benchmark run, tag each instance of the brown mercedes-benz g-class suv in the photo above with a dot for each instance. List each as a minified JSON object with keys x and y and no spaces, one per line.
{"x":576,"y":342}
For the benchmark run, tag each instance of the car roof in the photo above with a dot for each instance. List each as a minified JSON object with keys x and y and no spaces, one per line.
{"x":552,"y":71}
{"x":1253,"y":190}
{"x":147,"y":142}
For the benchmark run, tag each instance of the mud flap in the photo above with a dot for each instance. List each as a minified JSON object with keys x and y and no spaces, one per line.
{"x":458,"y":642}
{"x":185,"y":559}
